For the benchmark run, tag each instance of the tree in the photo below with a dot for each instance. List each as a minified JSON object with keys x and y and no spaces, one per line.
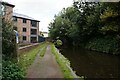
{"x":88,"y":20}
{"x":59,"y":27}
{"x":110,"y":19}
{"x":8,"y":40}
{"x":88,"y":23}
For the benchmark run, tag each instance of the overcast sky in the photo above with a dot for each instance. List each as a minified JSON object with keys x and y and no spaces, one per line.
{"x":42,"y":10}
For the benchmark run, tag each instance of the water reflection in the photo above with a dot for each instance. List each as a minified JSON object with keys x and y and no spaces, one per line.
{"x":92,"y":64}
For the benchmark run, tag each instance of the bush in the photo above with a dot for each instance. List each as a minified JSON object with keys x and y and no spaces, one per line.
{"x":8,"y":40}
{"x":107,"y":45}
{"x":11,"y":71}
{"x":58,"y":43}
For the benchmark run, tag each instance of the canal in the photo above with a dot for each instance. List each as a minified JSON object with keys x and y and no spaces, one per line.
{"x":92,"y":64}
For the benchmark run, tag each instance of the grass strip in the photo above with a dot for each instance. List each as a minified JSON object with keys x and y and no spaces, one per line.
{"x":42,"y":52}
{"x":28,"y":57}
{"x":62,"y":61}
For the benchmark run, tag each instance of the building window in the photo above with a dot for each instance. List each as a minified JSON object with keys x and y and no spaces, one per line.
{"x":15,"y":28}
{"x":24,"y":29}
{"x":24,"y":37}
{"x":33,"y":23}
{"x":14,"y":18}
{"x":33,"y":39}
{"x":24,"y":21}
{"x":34,"y":31}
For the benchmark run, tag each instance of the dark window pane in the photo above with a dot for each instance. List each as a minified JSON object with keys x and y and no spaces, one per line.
{"x":24,"y":21}
{"x":24,"y":30}
{"x":24,"y":37}
{"x":34,"y":31}
{"x":33,"y":39}
{"x":33,"y":23}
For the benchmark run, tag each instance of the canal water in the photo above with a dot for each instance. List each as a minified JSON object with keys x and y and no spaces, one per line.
{"x":92,"y":64}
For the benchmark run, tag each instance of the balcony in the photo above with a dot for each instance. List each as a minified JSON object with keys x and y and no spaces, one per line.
{"x":33,"y":31}
{"x":33,"y":39}
{"x":34,"y":24}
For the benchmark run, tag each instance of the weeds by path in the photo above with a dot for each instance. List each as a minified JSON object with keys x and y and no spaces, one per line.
{"x":42,"y":52}
{"x":62,"y":61}
{"x":27,"y":58}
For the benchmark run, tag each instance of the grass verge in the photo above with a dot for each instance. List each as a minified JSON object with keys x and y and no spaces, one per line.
{"x":42,"y":52}
{"x":28,"y":57}
{"x":63,"y":62}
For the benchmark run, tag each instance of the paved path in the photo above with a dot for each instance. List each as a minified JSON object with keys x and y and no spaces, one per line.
{"x":44,"y":67}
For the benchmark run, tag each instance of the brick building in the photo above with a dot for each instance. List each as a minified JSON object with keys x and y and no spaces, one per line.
{"x":7,"y":10}
{"x":27,"y":27}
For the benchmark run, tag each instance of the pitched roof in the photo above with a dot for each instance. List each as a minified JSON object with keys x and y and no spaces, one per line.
{"x":6,"y":3}
{"x":23,"y":16}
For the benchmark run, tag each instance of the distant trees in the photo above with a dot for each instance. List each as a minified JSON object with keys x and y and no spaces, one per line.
{"x":87,"y":22}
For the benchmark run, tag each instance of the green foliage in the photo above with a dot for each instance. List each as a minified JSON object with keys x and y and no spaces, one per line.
{"x":10,"y":68}
{"x":8,"y":40}
{"x":75,"y":25}
{"x":58,"y":43}
{"x":107,"y":45}
{"x":110,"y":19}
{"x":84,"y":21}
{"x":11,"y":71}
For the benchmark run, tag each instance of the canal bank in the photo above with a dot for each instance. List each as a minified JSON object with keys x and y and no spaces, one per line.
{"x":65,"y":65}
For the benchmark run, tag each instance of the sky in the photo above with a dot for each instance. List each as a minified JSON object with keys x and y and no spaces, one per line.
{"x":42,"y":10}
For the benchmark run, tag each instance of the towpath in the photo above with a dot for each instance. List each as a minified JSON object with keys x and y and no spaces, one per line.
{"x":44,"y":67}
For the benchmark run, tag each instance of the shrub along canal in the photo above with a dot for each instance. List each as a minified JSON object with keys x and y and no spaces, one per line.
{"x":92,"y":64}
